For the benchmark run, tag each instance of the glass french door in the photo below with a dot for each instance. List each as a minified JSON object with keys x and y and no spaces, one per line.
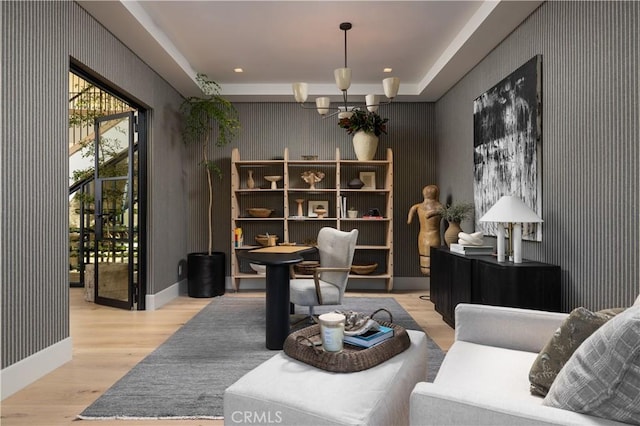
{"x":116,"y":226}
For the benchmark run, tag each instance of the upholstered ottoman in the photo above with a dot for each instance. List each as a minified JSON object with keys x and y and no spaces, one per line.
{"x":285,"y":391}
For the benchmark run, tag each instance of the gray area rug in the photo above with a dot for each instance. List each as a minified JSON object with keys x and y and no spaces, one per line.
{"x":186,"y":376}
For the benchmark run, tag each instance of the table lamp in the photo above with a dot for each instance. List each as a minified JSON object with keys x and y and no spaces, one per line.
{"x":511,"y":210}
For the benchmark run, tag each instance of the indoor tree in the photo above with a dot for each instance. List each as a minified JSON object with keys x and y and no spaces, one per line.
{"x":201,"y":116}
{"x":207,"y":119}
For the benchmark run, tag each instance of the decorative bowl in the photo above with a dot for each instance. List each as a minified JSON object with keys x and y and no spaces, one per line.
{"x":260,"y":269}
{"x":364,"y":269}
{"x":320,"y":213}
{"x":306,"y":267}
{"x":355,"y":183}
{"x":273,"y":180}
{"x":263,"y":239}
{"x":259,"y":212}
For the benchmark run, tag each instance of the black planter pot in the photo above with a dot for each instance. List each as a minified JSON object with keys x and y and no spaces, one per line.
{"x":206,"y":274}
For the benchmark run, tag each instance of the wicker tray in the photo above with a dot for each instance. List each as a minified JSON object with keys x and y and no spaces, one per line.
{"x":352,"y":358}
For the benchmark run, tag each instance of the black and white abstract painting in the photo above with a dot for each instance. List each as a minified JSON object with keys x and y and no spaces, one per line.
{"x":506,"y":143}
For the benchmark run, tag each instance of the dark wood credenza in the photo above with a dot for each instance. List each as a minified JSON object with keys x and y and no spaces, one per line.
{"x":457,"y":278}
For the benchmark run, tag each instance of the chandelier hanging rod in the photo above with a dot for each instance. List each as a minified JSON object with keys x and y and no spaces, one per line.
{"x":345,"y":26}
{"x":343,"y":81}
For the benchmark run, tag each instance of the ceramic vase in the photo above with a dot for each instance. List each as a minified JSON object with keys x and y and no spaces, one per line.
{"x":451,"y":234}
{"x":365,"y":145}
{"x":250,"y":182}
{"x":300,"y":201}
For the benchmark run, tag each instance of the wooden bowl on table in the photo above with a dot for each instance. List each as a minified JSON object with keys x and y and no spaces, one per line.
{"x":263,"y":239}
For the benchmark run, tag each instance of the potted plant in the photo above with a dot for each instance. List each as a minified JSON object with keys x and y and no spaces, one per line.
{"x":366,"y":127}
{"x":454,"y":214}
{"x":201,"y":115}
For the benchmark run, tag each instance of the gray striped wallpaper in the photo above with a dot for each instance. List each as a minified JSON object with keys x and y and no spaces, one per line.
{"x":37,"y":41}
{"x":590,"y":142}
{"x":33,"y":187}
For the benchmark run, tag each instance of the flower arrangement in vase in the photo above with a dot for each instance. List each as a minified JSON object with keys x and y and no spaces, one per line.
{"x":366,"y":127}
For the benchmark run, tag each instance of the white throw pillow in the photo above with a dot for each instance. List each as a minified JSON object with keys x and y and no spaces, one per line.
{"x":637,"y":302}
{"x":602,"y":377}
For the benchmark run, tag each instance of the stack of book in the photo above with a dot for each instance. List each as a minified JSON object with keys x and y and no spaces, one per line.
{"x":471,"y":250}
{"x":370,"y":338}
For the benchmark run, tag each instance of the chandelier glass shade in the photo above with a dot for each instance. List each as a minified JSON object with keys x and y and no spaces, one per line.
{"x":343,"y":81}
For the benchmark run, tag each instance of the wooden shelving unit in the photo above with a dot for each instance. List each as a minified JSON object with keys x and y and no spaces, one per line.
{"x":375,"y":240}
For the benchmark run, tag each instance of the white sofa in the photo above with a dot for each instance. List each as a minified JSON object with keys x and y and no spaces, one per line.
{"x":484,"y":378}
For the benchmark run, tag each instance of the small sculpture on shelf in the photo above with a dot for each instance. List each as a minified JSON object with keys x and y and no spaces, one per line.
{"x":311,"y":177}
{"x":300,"y":201}
{"x":320,"y":211}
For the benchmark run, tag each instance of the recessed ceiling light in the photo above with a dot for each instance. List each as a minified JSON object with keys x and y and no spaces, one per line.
{"x":387,"y":69}
{"x":238,"y":70}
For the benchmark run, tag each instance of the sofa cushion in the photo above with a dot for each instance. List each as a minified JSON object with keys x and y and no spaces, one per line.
{"x":602,"y":378}
{"x":578,"y":326}
{"x":488,"y":369}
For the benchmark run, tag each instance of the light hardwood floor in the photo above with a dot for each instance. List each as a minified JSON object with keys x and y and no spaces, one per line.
{"x":108,"y":342}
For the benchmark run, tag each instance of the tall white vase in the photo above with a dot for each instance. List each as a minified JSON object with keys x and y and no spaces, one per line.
{"x":365,"y":145}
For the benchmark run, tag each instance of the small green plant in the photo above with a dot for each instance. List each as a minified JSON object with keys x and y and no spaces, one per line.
{"x":363,"y":120}
{"x":456,"y":212}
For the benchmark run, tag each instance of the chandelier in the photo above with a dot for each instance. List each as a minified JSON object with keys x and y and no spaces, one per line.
{"x":343,"y":81}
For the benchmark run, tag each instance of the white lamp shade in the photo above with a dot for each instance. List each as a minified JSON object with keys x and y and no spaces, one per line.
{"x":510,"y":209}
{"x":391,"y":86}
{"x":322,"y":104}
{"x":343,"y":78}
{"x":372,"y":102}
{"x":300,"y":91}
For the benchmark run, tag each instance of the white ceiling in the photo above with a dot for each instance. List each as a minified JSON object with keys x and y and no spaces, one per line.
{"x":429,"y":44}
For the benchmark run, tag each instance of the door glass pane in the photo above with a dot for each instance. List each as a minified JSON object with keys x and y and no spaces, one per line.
{"x":112,"y":255}
{"x":113,"y":147}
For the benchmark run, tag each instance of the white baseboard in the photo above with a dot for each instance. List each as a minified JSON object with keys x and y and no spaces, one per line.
{"x":158,"y":300}
{"x":24,"y":372}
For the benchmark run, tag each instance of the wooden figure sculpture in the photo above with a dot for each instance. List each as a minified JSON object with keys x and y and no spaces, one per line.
{"x":429,"y":216}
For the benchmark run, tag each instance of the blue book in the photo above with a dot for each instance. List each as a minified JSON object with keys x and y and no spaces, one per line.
{"x":370,"y":338}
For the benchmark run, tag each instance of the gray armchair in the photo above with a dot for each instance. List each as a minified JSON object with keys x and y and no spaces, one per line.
{"x":329,"y":281}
